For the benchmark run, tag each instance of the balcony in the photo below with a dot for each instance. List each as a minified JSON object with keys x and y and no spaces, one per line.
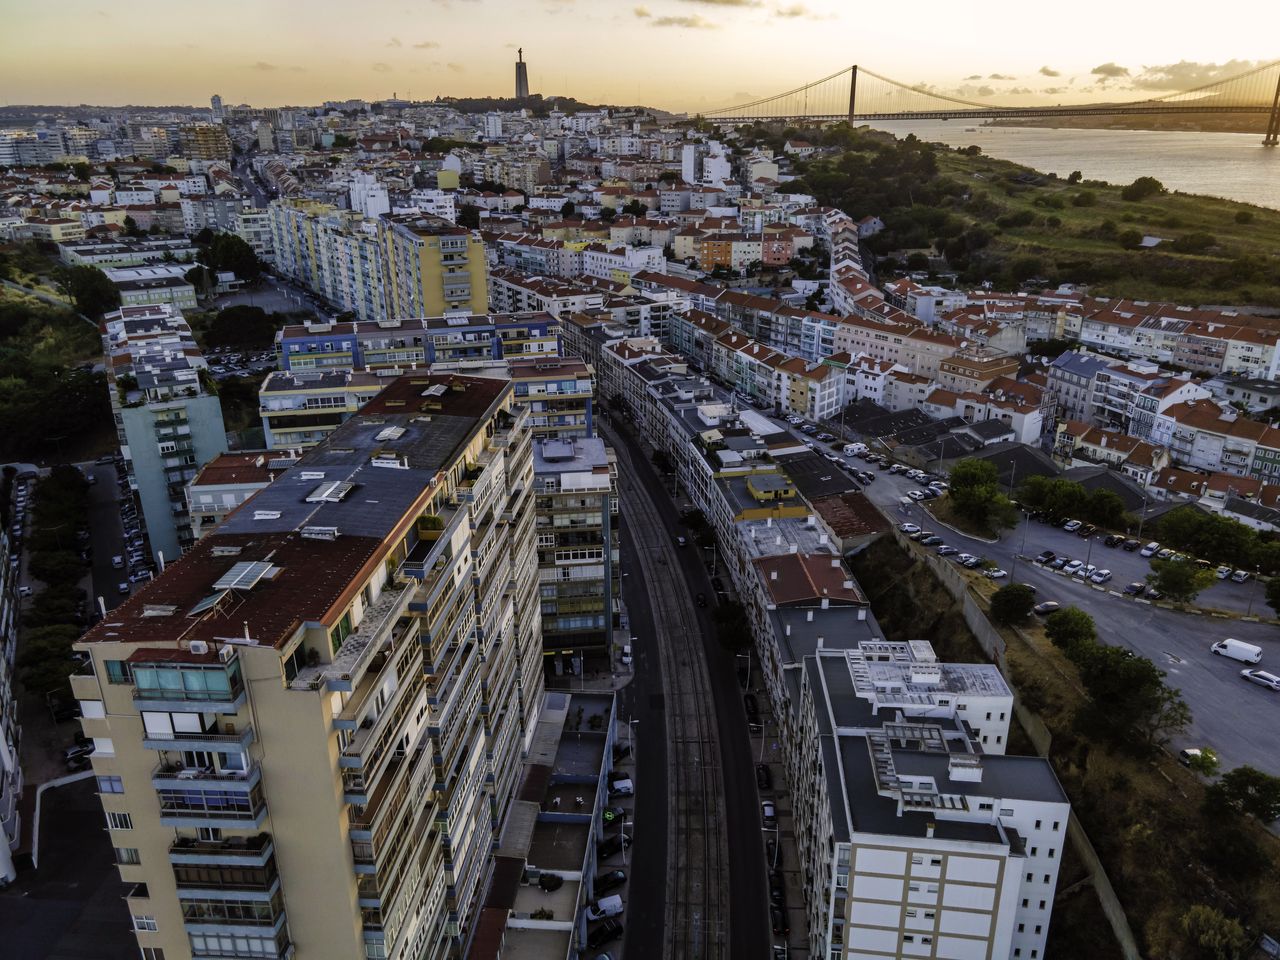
{"x":175,"y":776}
{"x":209,"y":740}
{"x":192,"y":698}
{"x":187,"y":807}
{"x":232,"y":851}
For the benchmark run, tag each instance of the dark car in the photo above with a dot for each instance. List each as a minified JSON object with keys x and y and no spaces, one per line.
{"x":1114,"y":540}
{"x":778,"y":918}
{"x":65,"y":710}
{"x":946,"y":551}
{"x":866,"y":476}
{"x":1046,"y":556}
{"x":931,"y":541}
{"x":1086,"y":530}
{"x":607,"y":932}
{"x":1059,"y":562}
{"x":752,"y":708}
{"x":1130,"y":545}
{"x":76,"y":764}
{"x":1136,"y":589}
{"x":764,"y":776}
{"x":610,"y":881}
{"x":778,"y":895}
{"x":613,"y":844}
{"x":700,"y":599}
{"x":77,"y":750}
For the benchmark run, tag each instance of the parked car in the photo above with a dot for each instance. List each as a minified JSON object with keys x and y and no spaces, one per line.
{"x":1154,"y":594}
{"x":1045,"y":556}
{"x":764,"y":776}
{"x":622,"y":788}
{"x":973,"y":563}
{"x":123,"y":587}
{"x":25,"y":591}
{"x":909,"y":528}
{"x":915,"y":495}
{"x":613,"y":844}
{"x":1237,"y":650}
{"x":1071,"y":526}
{"x":610,"y":881}
{"x":1074,"y":567}
{"x":604,"y":907}
{"x":1100,"y":576}
{"x":1047,"y":607}
{"x":1262,"y":679}
{"x":1165,"y":554}
{"x":965,"y":557}
{"x":1088,"y":530}
{"x":1223,"y":572}
{"x":931,"y":541}
{"x":1136,"y":589}
{"x":82,"y":749}
{"x":1057,"y":563}
{"x":778,"y":919}
{"x":76,"y":764}
{"x":1130,"y":545}
{"x":995,"y":573}
{"x":607,"y":932}
{"x":947,"y":551}
{"x":769,"y":814}
{"x":1149,"y":550}
{"x":1113,"y":540}
{"x":1240,"y":576}
{"x":752,"y":708}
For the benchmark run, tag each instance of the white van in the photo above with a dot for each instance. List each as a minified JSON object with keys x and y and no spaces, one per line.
{"x":1237,"y":650}
{"x":853,"y":449}
{"x":626,"y":653}
{"x":604,"y":907}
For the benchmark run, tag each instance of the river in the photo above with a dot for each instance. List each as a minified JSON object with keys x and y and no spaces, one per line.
{"x":1232,"y":165}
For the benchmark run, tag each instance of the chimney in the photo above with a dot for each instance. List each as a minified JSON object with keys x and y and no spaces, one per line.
{"x":773,"y":574}
{"x":928,"y":830}
{"x":835,"y":561}
{"x":788,"y":630}
{"x":826,"y":603}
{"x":808,"y":616}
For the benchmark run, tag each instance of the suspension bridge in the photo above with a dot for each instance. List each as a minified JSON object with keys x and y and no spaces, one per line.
{"x":857,"y":94}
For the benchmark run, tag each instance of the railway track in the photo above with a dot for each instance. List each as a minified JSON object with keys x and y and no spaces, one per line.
{"x":697,"y":900}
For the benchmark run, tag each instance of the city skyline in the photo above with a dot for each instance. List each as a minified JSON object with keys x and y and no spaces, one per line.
{"x":601,"y":53}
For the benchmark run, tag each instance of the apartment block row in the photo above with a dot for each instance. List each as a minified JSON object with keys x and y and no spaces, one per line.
{"x":918,"y":835}
{"x":309,"y":727}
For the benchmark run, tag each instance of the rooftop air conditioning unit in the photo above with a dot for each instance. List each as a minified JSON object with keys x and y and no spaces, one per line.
{"x":226,"y":654}
{"x":198,"y":647}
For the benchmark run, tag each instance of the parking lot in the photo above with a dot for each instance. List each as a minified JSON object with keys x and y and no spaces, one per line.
{"x":227,"y":362}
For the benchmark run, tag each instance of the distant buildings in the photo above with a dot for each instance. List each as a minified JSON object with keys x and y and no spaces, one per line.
{"x":168,"y":424}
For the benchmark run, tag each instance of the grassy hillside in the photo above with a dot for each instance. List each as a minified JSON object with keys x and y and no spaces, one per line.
{"x":993,"y":220}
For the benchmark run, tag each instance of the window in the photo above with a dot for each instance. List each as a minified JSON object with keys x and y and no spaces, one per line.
{"x":1037,"y":824}
{"x":126,"y":856}
{"x":1022,"y":928}
{"x":144,"y":924}
{"x":1038,"y":928}
{"x":118,"y":671}
{"x":1025,"y":903}
{"x":110,"y":785}
{"x":1056,"y":824}
{"x":1030,"y":877}
{"x":119,"y":821}
{"x":1041,"y":904}
{"x":209,"y":833}
{"x":1046,"y":878}
{"x":152,"y":953}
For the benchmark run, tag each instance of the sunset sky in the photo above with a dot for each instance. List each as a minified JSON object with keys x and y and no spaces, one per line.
{"x":673,"y":54}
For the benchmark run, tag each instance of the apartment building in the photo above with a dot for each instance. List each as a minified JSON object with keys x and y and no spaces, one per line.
{"x":1204,"y":436}
{"x":125,"y":253}
{"x":226,"y":482}
{"x":301,"y":407}
{"x":334,"y":253}
{"x":253,"y":226}
{"x":1071,"y":378}
{"x":511,"y":291}
{"x":579,"y":568}
{"x":167,"y":424}
{"x":431,"y":266}
{"x":559,"y":393}
{"x":309,"y":727}
{"x":206,"y":141}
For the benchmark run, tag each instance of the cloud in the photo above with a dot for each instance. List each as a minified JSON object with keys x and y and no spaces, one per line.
{"x":456,"y":67}
{"x":643,"y":13}
{"x":985,"y":91}
{"x":394,"y":42}
{"x":799,"y":10}
{"x":1019,"y":91}
{"x":1054,"y":90}
{"x":724,"y":3}
{"x":263,"y":66}
{"x":432,"y":45}
{"x":1001,"y":76}
{"x":976,"y":76}
{"x":297,"y":69}
{"x":381,"y":67}
{"x":1186,"y":74}
{"x":692,"y":23}
{"x":1109,"y":71}
{"x":1049,"y":72}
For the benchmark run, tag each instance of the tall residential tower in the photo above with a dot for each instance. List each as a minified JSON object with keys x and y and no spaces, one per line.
{"x":308,"y":729}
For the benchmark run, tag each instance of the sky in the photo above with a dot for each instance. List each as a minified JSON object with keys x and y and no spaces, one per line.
{"x":683,"y":55}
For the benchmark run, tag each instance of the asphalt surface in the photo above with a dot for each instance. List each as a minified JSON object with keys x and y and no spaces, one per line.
{"x":1234,"y":717}
{"x":748,"y":921}
{"x":106,"y":534}
{"x":72,"y":908}
{"x":641,"y":700}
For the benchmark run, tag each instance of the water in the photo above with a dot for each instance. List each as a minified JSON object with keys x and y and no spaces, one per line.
{"x":1232,"y":165}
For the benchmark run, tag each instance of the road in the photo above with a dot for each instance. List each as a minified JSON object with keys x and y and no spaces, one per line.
{"x":1233,"y":716}
{"x":106,"y":535}
{"x":641,"y":701}
{"x":744,"y":924}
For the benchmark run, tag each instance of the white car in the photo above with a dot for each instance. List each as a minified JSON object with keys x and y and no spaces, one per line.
{"x":909,"y":528}
{"x":1223,"y":572}
{"x":1071,"y":526}
{"x":117,"y":562}
{"x":965,"y":557}
{"x":995,"y":573}
{"x":1101,"y":576}
{"x":1073,"y":567}
{"x":1149,"y":550}
{"x":915,"y":495}
{"x":1240,"y":576}
{"x":1262,"y":678}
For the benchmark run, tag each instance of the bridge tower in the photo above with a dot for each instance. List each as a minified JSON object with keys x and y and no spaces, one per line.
{"x":853,"y":91}
{"x":1273,"y":126}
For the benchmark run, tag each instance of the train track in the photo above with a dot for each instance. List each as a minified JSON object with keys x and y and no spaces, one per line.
{"x":697,"y":901}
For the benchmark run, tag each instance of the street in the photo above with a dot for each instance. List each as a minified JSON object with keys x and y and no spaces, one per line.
{"x":106,"y":535}
{"x":746,"y":924}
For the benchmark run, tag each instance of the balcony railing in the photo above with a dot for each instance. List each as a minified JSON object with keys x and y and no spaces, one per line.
{"x":231,"y":850}
{"x":167,"y":775}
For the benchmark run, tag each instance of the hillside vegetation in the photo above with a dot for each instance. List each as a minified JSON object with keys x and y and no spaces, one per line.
{"x":993,"y":220}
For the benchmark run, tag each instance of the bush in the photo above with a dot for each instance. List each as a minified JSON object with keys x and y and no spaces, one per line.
{"x":1195,"y":242}
{"x":1142,"y":188}
{"x":1129,"y":239}
{"x":1085,"y":198}
{"x":1247,"y":790}
{"x":1070,"y":628}
{"x":1244,"y":216}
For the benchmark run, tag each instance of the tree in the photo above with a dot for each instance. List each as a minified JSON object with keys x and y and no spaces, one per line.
{"x":230,"y":252}
{"x":57,"y":566}
{"x":1205,"y":762}
{"x":567,"y":209}
{"x":1142,"y":188}
{"x":1070,"y":628}
{"x":1074,"y":177}
{"x":1214,"y":935}
{"x":1247,"y":790}
{"x":1244,"y":216}
{"x":82,"y":171}
{"x":1129,"y":239}
{"x":469,"y":217}
{"x":131,"y":227}
{"x":1012,"y":603}
{"x":89,"y":288}
{"x":1129,"y":700}
{"x":635,"y":208}
{"x":1085,"y":198}
{"x":732,"y":628}
{"x":975,"y":494}
{"x":1179,"y":580}
{"x":1273,"y":594}
{"x":1106,"y":509}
